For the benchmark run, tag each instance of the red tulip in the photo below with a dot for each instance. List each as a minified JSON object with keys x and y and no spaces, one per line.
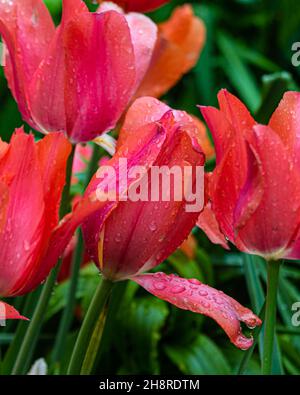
{"x":77,"y":78}
{"x":255,"y":187}
{"x":139,"y":5}
{"x":135,"y":236}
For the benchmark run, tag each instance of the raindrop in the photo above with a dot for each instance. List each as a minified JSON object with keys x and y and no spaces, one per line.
{"x":177,"y":289}
{"x":160,"y":286}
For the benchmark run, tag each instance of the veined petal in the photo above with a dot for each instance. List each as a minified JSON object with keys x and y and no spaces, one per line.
{"x":200,"y":298}
{"x":100,"y":73}
{"x":48,"y":86}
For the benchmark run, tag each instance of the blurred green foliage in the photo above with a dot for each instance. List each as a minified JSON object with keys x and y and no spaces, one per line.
{"x":248,"y":51}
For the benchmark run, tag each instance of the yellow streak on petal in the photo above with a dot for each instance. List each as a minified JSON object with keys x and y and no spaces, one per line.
{"x":100,"y":248}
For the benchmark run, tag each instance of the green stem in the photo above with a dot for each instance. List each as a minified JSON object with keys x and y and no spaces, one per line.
{"x":28,"y":345}
{"x":67,"y":316}
{"x":32,"y":333}
{"x":93,"y":348}
{"x":10,"y":356}
{"x":87,"y":328}
{"x":270,"y":320}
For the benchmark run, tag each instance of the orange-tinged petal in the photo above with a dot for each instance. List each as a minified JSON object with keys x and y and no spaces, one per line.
{"x":180,"y":42}
{"x":189,"y":246}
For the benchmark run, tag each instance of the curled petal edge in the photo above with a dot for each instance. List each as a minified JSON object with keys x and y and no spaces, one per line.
{"x":191,"y":294}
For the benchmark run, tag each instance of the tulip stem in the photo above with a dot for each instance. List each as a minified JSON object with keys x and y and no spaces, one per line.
{"x":94,"y":345}
{"x":68,"y":312}
{"x":270,"y":319}
{"x":23,"y":359}
{"x":87,"y":329}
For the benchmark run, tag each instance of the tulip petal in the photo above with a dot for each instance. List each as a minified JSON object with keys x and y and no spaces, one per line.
{"x":208,"y":223}
{"x":8,"y":312}
{"x":180,"y":42}
{"x":220,"y":129}
{"x":143,"y":35}
{"x":236,"y":113}
{"x":27,"y":29}
{"x":200,"y":298}
{"x":101,"y":77}
{"x":46,"y":91}
{"x":285,"y":121}
{"x":148,"y":109}
{"x":24,"y":213}
{"x":53,"y":152}
{"x":278,"y":210}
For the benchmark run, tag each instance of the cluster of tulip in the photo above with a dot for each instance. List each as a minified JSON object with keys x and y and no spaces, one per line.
{"x":96,"y":71}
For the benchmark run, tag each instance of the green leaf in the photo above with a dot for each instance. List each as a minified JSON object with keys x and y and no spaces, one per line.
{"x":140,"y":325}
{"x":200,"y":357}
{"x":238,"y":73}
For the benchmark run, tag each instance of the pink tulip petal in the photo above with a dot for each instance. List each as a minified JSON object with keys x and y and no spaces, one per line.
{"x":147,"y":110}
{"x":24,"y":212}
{"x":101,"y":73}
{"x":8,"y":312}
{"x":285,"y":121}
{"x":200,"y":298}
{"x":53,"y":152}
{"x":143,"y":34}
{"x":220,"y":129}
{"x":46,"y":92}
{"x":27,"y":29}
